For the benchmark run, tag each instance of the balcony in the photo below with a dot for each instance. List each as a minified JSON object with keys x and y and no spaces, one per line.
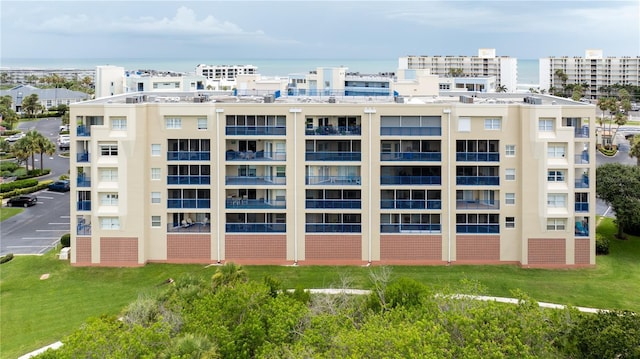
{"x":255,"y":156}
{"x":245,"y":203}
{"x":410,"y":156}
{"x":333,"y":156}
{"x":333,"y":228}
{"x":255,"y":180}
{"x":582,"y":158}
{"x":256,"y":227}
{"x":581,"y":207}
{"x":189,"y":203}
{"x":410,"y":204}
{"x":186,"y":180}
{"x":478,"y":156}
{"x":255,"y":130}
{"x":410,"y":228}
{"x":189,"y":228}
{"x":83,"y":181}
{"x":83,"y":205}
{"x":478,"y":180}
{"x":582,"y":228}
{"x":83,"y":131}
{"x":411,"y":180}
{"x":582,"y":181}
{"x":331,"y":203}
{"x":477,"y":204}
{"x":477,"y":228}
{"x":82,"y":157}
{"x":334,"y":131}
{"x":83,"y":229}
{"x":188,"y":156}
{"x":333,"y":180}
{"x":581,"y":132}
{"x":410,"y":131}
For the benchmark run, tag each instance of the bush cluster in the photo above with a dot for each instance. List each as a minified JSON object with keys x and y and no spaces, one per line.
{"x":6,"y":258}
{"x":24,"y":183}
{"x":602,"y":244}
{"x":65,"y":240}
{"x":35,"y":173}
{"x":26,"y":190}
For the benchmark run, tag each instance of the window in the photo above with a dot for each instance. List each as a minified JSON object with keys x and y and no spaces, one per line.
{"x":109,"y":199}
{"x":173,"y":122}
{"x":108,"y":174}
{"x":556,"y":200}
{"x":155,"y":149}
{"x":155,"y":173}
{"x":556,"y":224}
{"x":155,"y":197}
{"x":202,"y":124}
{"x":510,"y":150}
{"x":509,"y":198}
{"x":118,"y":124}
{"x":155,"y":221}
{"x":464,"y":124}
{"x":510,"y":174}
{"x":556,"y":151}
{"x":492,"y":124}
{"x":545,"y":125}
{"x":555,"y":176}
{"x":510,"y":222}
{"x":109,"y":223}
{"x":109,"y":149}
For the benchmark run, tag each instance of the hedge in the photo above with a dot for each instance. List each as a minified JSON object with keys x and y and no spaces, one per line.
{"x":26,"y":190}
{"x":7,"y":187}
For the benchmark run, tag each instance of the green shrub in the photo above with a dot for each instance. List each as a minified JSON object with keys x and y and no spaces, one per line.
{"x":26,"y":190}
{"x":35,"y":173}
{"x":602,"y":244}
{"x":8,"y":166}
{"x":65,"y":240}
{"x":6,"y":258}
{"x":24,"y":183}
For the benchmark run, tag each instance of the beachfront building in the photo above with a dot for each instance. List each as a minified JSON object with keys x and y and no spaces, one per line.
{"x":28,"y":75}
{"x":225,"y":72}
{"x":503,"y":68}
{"x":184,"y":177}
{"x":115,"y":80}
{"x":48,"y":98}
{"x":594,"y":70}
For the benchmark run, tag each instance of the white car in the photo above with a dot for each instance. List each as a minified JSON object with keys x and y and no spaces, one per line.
{"x":14,"y":138}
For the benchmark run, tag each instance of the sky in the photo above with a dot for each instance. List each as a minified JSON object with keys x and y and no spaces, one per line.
{"x":315,"y":29}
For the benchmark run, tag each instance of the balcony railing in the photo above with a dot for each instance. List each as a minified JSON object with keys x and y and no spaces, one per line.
{"x":410,"y":204}
{"x":83,"y":131}
{"x":477,"y":228}
{"x":582,"y":206}
{"x":478,"y":156}
{"x":188,"y":180}
{"x":83,"y":205}
{"x":188,"y":156}
{"x":410,"y":156}
{"x":582,"y":182}
{"x":256,"y":227}
{"x":255,"y":180}
{"x":471,"y":204}
{"x":333,"y":228}
{"x":83,"y":230}
{"x":82,"y":157}
{"x":83,"y":181}
{"x":478,"y":180}
{"x":255,"y":156}
{"x":581,"y":132}
{"x":241,"y":203}
{"x":411,"y":131}
{"x":255,"y":130}
{"x":582,"y":158}
{"x":410,"y":227}
{"x":334,"y":131}
{"x":334,"y":203}
{"x":333,"y":156}
{"x":192,"y":228}
{"x":333,"y":180}
{"x":189,"y":203}
{"x":410,"y":180}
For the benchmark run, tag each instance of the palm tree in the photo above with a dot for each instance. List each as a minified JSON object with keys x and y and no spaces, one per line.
{"x":634,"y":150}
{"x":229,"y":273}
{"x":44,"y":146}
{"x":501,"y":88}
{"x":20,"y":152}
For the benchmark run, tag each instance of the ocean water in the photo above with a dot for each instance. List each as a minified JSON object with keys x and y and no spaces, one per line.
{"x":527,"y":68}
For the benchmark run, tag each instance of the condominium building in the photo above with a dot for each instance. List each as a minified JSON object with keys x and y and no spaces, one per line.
{"x":486,"y":63}
{"x":182,"y":177}
{"x":594,"y":70}
{"x":225,"y":72}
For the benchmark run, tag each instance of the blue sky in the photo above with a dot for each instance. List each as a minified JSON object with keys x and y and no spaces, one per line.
{"x":315,"y":29}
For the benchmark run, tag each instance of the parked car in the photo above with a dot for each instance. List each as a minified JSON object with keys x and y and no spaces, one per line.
{"x":25,"y":200}
{"x":15,"y":137}
{"x":60,"y":186}
{"x":63,"y":142}
{"x":64,"y":128}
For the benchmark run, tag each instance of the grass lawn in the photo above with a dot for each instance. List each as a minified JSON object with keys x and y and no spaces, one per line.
{"x":36,"y":312}
{"x":7,"y":212}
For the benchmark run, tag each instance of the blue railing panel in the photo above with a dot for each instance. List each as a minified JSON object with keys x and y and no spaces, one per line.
{"x":478,"y":156}
{"x":333,"y":228}
{"x":82,"y":157}
{"x":256,"y":130}
{"x":409,"y":180}
{"x":333,"y":156}
{"x":189,"y":203}
{"x":338,"y":203}
{"x":477,"y":228}
{"x":186,"y":180}
{"x":334,"y":131}
{"x":188,"y":156}
{"x":255,"y":156}
{"x":478,"y":180}
{"x":83,"y":205}
{"x":256,"y":227}
{"x":582,"y":207}
{"x":239,"y":203}
{"x":333,"y":180}
{"x":410,"y":156}
{"x":410,"y":131}
{"x":83,"y":181}
{"x":413,"y":227}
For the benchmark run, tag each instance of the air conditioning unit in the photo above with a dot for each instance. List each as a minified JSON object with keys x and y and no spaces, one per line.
{"x":466,"y":99}
{"x":332,"y":99}
{"x":268,"y":99}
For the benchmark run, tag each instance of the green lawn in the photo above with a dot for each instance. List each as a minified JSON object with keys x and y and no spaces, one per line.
{"x":7,"y":212}
{"x":37,"y":312}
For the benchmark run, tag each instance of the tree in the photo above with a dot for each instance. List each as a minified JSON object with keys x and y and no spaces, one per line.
{"x":9,"y":116}
{"x":634,"y":150}
{"x":31,"y":104}
{"x":31,"y":141}
{"x":501,"y":88}
{"x":21,"y":152}
{"x":227,"y":274}
{"x":619,"y":185}
{"x":44,"y":146}
{"x":456,"y":72}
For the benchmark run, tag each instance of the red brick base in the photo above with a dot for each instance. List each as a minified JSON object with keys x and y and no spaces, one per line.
{"x":410,"y":248}
{"x":582,"y":251}
{"x":477,"y":249}
{"x":333,"y":247}
{"x":189,"y":248}
{"x":119,"y":251}
{"x":546,"y":251}
{"x":83,"y":251}
{"x":265,"y":248}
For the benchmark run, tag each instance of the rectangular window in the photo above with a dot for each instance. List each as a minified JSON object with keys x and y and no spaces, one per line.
{"x":510,"y":222}
{"x":492,"y":124}
{"x":155,"y":173}
{"x":556,"y":200}
{"x":155,"y":197}
{"x":555,"y":176}
{"x":510,"y":198}
{"x":109,"y":199}
{"x":173,"y":122}
{"x":510,"y":150}
{"x":202,"y":124}
{"x":109,"y":223}
{"x":556,"y":150}
{"x":109,"y":149}
{"x":155,"y":221}
{"x":464,"y":124}
{"x":556,"y":224}
{"x":510,"y":174}
{"x":545,"y":125}
{"x":108,"y":174}
{"x":155,"y":149}
{"x":118,"y":123}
